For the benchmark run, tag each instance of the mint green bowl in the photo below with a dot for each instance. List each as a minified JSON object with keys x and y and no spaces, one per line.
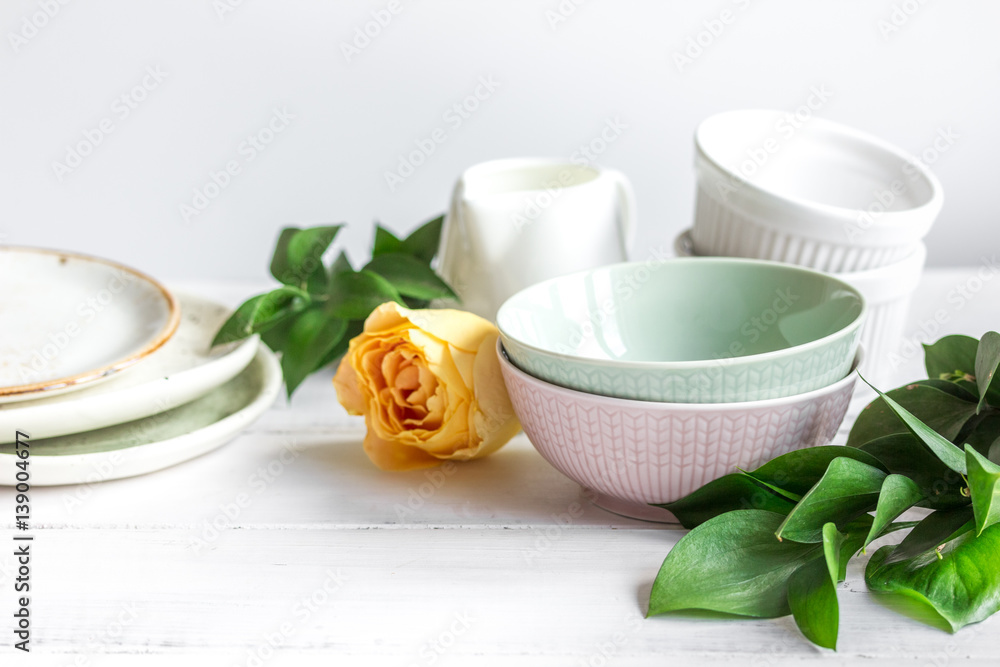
{"x":688,"y":330}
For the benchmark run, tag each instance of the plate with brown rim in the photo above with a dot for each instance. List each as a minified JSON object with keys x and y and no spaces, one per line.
{"x":69,"y":320}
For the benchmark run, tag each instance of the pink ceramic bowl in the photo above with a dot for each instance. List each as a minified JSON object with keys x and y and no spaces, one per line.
{"x":628,"y":454}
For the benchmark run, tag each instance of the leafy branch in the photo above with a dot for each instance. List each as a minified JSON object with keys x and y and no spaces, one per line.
{"x":776,"y":540}
{"x":319,"y":308}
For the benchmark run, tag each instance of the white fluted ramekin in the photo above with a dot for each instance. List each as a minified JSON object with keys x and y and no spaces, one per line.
{"x":813,"y":193}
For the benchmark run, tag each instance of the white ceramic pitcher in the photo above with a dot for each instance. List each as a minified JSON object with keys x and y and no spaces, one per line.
{"x":515,"y":222}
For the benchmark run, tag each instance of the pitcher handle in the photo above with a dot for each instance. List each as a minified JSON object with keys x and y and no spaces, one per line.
{"x":627,"y":219}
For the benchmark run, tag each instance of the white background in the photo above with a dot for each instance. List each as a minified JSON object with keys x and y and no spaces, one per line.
{"x":559,"y":83}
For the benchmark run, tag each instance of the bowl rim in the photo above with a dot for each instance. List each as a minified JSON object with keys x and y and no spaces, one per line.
{"x":886,"y":219}
{"x":726,"y":362}
{"x":507,"y":365}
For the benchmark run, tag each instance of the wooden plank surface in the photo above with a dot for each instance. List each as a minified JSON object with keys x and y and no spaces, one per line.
{"x":498,"y":559}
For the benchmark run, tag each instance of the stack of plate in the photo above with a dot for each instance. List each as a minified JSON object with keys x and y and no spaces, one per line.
{"x":111,"y":375}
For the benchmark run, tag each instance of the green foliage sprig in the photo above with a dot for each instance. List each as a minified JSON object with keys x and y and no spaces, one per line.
{"x":776,"y":540}
{"x":318,"y":309}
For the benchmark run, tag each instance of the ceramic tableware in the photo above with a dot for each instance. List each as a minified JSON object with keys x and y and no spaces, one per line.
{"x":887,"y":291}
{"x":185,"y":368}
{"x":813,"y":193}
{"x":629,"y":454}
{"x":70,"y":320}
{"x":695,"y":330}
{"x":518,"y":221}
{"x":156,"y":442}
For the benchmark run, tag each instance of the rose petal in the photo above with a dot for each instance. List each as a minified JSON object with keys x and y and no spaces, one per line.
{"x":391,"y":455}
{"x":455,"y":327}
{"x":494,"y":420}
{"x":346,"y":384}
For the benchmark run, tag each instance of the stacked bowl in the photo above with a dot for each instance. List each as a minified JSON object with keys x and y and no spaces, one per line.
{"x":822,"y":195}
{"x":643,"y":381}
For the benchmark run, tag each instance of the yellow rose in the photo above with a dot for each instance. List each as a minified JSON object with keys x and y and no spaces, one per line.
{"x":429,"y":385}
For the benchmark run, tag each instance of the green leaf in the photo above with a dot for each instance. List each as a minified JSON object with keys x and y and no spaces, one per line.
{"x":354,"y":328}
{"x":353,"y":296}
{"x":385,"y":242}
{"x":984,"y":489}
{"x":311,"y":338}
{"x":898,"y":494}
{"x":833,"y":543}
{"x":943,"y":448}
{"x":341,"y":264}
{"x":306,"y":248}
{"x":410,"y":276}
{"x":942,"y":412}
{"x":905,"y":454}
{"x":276,"y":337}
{"x":812,"y":592}
{"x":934,"y":530}
{"x":847,"y":489}
{"x":959,"y":389}
{"x":423,"y":242}
{"x":280,"y":267}
{"x":961,"y":583}
{"x":797,"y":471}
{"x":987,"y":361}
{"x":260,"y":313}
{"x":856,"y":532}
{"x":727,"y":493}
{"x":812,"y":598}
{"x":985,"y":434}
{"x":951,"y":354}
{"x":731,"y":564}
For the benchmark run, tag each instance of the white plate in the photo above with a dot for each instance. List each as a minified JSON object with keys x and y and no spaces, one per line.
{"x":184,"y":369}
{"x":155,"y":442}
{"x":69,"y":320}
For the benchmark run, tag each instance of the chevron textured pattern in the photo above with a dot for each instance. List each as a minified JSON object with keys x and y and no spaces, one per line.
{"x":657,"y":452}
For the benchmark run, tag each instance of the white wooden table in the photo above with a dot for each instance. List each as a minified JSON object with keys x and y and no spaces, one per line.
{"x":288,"y":547}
